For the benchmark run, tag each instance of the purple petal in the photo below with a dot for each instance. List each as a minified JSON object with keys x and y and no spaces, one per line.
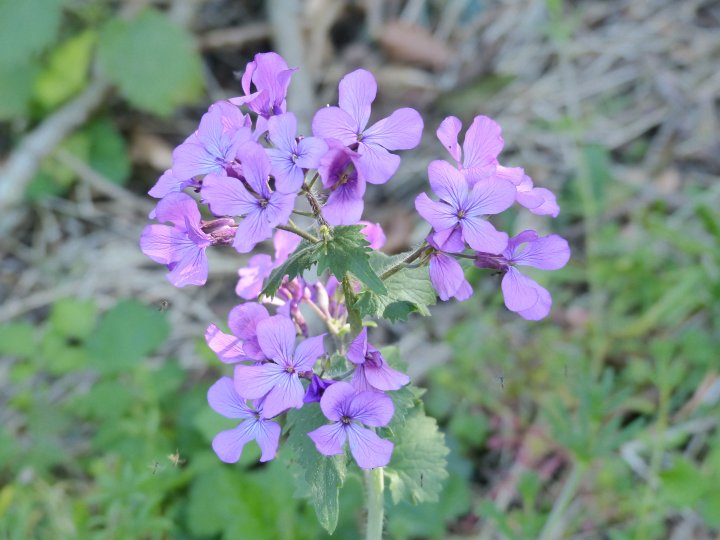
{"x":267,"y":435}
{"x":358,"y":348}
{"x":334,"y":123}
{"x":383,"y":377}
{"x":449,"y":184}
{"x":276,"y":336}
{"x":547,"y":253}
{"x":255,"y":167}
{"x":224,"y":399}
{"x":482,"y":236}
{"x":227,"y":196}
{"x":541,"y":309}
{"x":229,"y":349}
{"x":254,"y":382}
{"x":515,"y":175}
{"x":177,"y":208}
{"x":191,"y":269}
{"x":279,"y":207}
{"x":356,"y":92}
{"x":310,"y":152}
{"x":483,"y":143}
{"x":251,"y":231}
{"x":447,"y":277}
{"x":401,"y":130}
{"x":374,"y":234}
{"x":343,"y":207}
{"x":252,"y":276}
{"x":329,"y":440}
{"x":168,"y":183}
{"x":519,"y":291}
{"x":163,"y":244}
{"x":308,"y":351}
{"x":289,"y":176}
{"x":243,"y":319}
{"x":490,"y":196}
{"x":447,"y":132}
{"x":518,"y":240}
{"x":335,"y":400}
{"x":549,"y":207}
{"x":375,"y":164}
{"x":449,"y":240}
{"x":370,"y":408}
{"x":228,"y":445}
{"x":285,"y":243}
{"x":316,"y":389}
{"x":440,"y":215}
{"x":287,"y":393}
{"x":282,"y":130}
{"x":191,"y":159}
{"x":369,"y":450}
{"x":530,"y":199}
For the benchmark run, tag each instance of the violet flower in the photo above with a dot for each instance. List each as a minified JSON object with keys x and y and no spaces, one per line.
{"x":348,"y":124}
{"x":259,"y":268}
{"x":213,"y":147}
{"x":374,"y":234}
{"x":371,"y":371}
{"x":460,"y":207}
{"x":317,"y":388}
{"x":447,"y":276}
{"x":338,"y":170}
{"x":181,"y":246}
{"x":522,"y":294}
{"x":243,"y":344}
{"x":262,"y":209}
{"x":290,"y":156}
{"x":169,"y":183}
{"x":539,"y":201}
{"x":278,"y":380}
{"x":348,"y":410}
{"x":229,"y":444}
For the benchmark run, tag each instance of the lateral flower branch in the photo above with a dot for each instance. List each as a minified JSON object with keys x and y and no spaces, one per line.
{"x":248,"y":166}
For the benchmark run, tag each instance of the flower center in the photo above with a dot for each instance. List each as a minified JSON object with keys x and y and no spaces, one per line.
{"x":290,"y":369}
{"x":294,"y":157}
{"x":263,"y":203}
{"x":345,"y":420}
{"x":461,"y":214}
{"x":343,"y":179}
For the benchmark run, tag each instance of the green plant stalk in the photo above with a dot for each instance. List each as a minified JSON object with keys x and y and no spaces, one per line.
{"x":554,"y":524}
{"x":375,"y":486}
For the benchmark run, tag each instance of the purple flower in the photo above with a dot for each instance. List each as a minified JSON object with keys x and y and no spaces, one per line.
{"x":169,"y":183}
{"x":522,"y":294}
{"x":539,"y":201}
{"x":371,"y":371}
{"x":374,"y":234}
{"x":347,"y":123}
{"x":348,"y":410}
{"x":481,"y":147}
{"x":290,"y":156}
{"x":261,"y":266}
{"x":317,"y":388}
{"x":229,"y":444}
{"x":338,"y":170}
{"x":243,"y":344}
{"x":213,"y":147}
{"x":270,"y":75}
{"x":262,"y":208}
{"x":278,"y":379}
{"x":181,"y":246}
{"x":460,"y":207}
{"x":447,"y":276}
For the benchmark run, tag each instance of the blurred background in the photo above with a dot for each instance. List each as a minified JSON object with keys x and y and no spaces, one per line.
{"x":600,"y":422}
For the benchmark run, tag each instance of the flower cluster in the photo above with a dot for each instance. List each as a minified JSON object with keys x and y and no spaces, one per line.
{"x":253,"y":172}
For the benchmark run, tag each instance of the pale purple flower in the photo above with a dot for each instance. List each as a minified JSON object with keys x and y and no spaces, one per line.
{"x":348,"y":124}
{"x":481,"y":147}
{"x":460,"y":208}
{"x":290,"y":156}
{"x":213,"y":147}
{"x":447,"y":276}
{"x":242,"y":344}
{"x":338,"y":170}
{"x":349,"y":410}
{"x":371,"y":370}
{"x":169,"y":183}
{"x":278,"y":380}
{"x":374,"y":234}
{"x":317,"y":388}
{"x":522,"y":294}
{"x":181,"y":246}
{"x":262,"y":208}
{"x":270,"y":75}
{"x":229,"y":444}
{"x":539,"y":201}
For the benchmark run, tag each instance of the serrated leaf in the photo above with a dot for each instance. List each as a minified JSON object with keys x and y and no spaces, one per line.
{"x":152,"y":60}
{"x":26,"y":28}
{"x":418,"y":466}
{"x":126,"y":334}
{"x":324,"y":475}
{"x":302,"y":259}
{"x":348,"y":251}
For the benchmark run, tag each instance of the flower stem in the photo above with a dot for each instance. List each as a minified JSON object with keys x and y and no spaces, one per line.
{"x":375,"y":485}
{"x":295,"y":229}
{"x":314,"y":204}
{"x":402,"y":264}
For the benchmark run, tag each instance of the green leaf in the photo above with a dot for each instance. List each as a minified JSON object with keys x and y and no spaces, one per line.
{"x":348,"y":251}
{"x":126,"y":334}
{"x":324,"y":475}
{"x":73,"y":318}
{"x":683,"y":484}
{"x":67,"y":70}
{"x":302,"y":259}
{"x":26,"y":28}
{"x":17,"y":339}
{"x":108,"y":151}
{"x":16,"y":89}
{"x":152,"y":60}
{"x":418,"y":466}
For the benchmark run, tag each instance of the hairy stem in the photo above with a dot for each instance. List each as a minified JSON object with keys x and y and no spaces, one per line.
{"x":375,"y":485}
{"x":315,"y":205}
{"x":291,"y":227}
{"x":402,"y":264}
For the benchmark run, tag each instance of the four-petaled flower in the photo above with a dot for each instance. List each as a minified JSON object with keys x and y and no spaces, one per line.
{"x":278,"y":380}
{"x":348,"y":410}
{"x":371,"y":370}
{"x":229,"y":444}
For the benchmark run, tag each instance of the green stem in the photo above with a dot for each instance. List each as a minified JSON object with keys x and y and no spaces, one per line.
{"x":402,"y":264}
{"x":301,"y":213}
{"x":375,"y":484}
{"x":291,"y":227}
{"x":554,"y":524}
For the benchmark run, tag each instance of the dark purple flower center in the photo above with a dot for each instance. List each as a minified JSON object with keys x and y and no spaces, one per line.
{"x":294,"y":157}
{"x":345,"y":420}
{"x":263,"y":203}
{"x":461,"y":214}
{"x":290,"y":369}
